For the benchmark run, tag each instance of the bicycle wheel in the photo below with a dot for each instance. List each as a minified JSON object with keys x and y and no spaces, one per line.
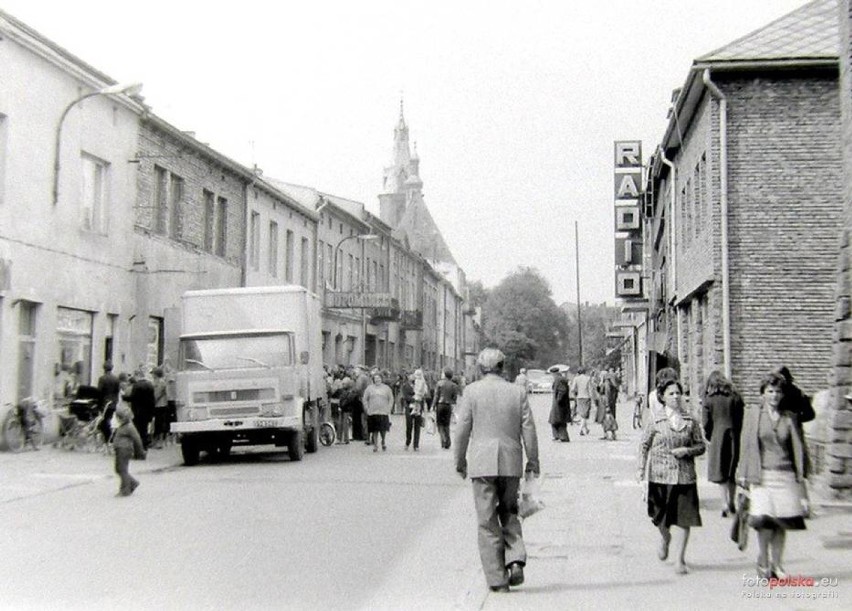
{"x":13,"y":434}
{"x":36,"y":434}
{"x":327,"y":434}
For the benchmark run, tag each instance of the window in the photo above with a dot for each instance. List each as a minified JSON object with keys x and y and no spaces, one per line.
{"x":375,"y":279}
{"x":26,"y":347}
{"x":93,"y":204}
{"x":175,"y":207}
{"x":254,"y":240}
{"x":168,"y":195}
{"x":4,"y":135}
{"x":351,"y":274}
{"x":358,"y":274}
{"x":381,"y":280}
{"x":221,"y":224}
{"x":74,"y":332}
{"x":697,"y":200}
{"x":321,"y":264}
{"x":288,"y":264}
{"x":304,"y":259}
{"x":273,"y":249}
{"x":330,"y":264}
{"x":109,"y":337}
{"x":209,"y":219}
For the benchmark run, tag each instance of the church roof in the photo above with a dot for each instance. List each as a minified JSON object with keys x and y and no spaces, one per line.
{"x":809,"y":32}
{"x":423,"y":233}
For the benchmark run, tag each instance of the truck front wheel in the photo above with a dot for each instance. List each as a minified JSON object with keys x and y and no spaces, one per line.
{"x":296,"y":446}
{"x":189,"y":450}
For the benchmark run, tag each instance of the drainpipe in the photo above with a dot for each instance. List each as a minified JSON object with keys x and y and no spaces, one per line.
{"x":723,"y":204}
{"x":673,"y":243}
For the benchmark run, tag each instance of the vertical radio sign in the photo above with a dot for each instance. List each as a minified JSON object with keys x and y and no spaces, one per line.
{"x":628,"y":219}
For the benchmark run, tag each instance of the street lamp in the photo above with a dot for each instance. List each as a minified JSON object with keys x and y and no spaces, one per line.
{"x":126,"y":88}
{"x":364,"y":236}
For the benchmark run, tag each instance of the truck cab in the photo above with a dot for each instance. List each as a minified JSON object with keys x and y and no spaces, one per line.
{"x":241,"y":383}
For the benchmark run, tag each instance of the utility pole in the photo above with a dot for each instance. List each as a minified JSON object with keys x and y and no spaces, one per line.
{"x":579,"y":315}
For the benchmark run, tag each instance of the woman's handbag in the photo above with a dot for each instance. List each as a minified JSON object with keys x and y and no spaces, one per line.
{"x":739,"y":529}
{"x":430,"y":425}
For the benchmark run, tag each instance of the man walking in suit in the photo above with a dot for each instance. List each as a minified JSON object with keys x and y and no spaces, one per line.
{"x":494,"y":419}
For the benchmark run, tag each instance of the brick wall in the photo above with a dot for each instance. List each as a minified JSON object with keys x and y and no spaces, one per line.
{"x":839,"y":450}
{"x":784,"y":209}
{"x":199,"y":172}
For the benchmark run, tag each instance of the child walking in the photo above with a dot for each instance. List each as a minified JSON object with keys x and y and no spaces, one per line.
{"x":609,"y":424}
{"x":127,"y":444}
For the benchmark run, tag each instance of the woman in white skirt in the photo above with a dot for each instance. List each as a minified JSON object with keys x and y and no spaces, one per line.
{"x":773,"y":466}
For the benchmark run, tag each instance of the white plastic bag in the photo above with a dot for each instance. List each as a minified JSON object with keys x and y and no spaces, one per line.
{"x":530,"y":501}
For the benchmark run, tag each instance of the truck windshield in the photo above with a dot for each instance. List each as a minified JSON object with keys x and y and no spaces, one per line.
{"x":236,"y":352}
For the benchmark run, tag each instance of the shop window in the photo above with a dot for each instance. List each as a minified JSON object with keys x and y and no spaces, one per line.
{"x":28,"y":312}
{"x":74,"y":338}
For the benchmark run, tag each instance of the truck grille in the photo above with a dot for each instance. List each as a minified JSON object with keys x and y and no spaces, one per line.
{"x":243,"y":394}
{"x":220,"y":412}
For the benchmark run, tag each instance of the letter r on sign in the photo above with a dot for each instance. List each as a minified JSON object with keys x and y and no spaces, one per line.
{"x":628,"y":153}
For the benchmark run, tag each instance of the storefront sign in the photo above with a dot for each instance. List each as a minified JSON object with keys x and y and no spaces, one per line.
{"x":628,"y":220}
{"x":384,"y":314}
{"x":360,"y":300}
{"x":412,"y":320}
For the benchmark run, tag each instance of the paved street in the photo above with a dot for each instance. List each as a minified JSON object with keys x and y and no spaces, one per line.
{"x":350,"y":529}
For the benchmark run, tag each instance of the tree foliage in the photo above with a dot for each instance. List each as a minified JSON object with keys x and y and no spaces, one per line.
{"x":520,"y":318}
{"x":599,"y":351}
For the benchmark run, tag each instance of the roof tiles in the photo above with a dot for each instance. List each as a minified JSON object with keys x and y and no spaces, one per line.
{"x":810,"y":32}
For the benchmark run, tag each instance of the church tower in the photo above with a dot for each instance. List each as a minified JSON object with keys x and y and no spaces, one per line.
{"x":401,"y":181}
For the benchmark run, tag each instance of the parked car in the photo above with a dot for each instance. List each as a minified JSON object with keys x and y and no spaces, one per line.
{"x":538,"y":380}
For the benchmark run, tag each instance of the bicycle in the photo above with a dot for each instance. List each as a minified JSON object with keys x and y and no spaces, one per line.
{"x":23,"y":425}
{"x":327,"y":432}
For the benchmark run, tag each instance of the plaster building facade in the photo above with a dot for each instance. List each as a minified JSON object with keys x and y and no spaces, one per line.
{"x":67,"y":194}
{"x":744,"y":205}
{"x":102,"y":234}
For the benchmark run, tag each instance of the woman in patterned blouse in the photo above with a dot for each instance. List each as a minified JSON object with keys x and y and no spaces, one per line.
{"x":670,"y":443}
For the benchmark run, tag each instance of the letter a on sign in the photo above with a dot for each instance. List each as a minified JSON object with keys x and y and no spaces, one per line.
{"x":627,"y":185}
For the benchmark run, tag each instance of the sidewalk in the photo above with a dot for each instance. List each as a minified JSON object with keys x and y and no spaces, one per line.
{"x":33,"y":473}
{"x":593,"y":546}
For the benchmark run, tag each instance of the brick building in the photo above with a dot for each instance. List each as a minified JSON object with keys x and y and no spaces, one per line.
{"x":839,"y":449}
{"x":744,"y":205}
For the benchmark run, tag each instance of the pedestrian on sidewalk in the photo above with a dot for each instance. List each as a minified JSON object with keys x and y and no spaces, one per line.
{"x":127,"y":444}
{"x":378,"y":403}
{"x":581,"y":388}
{"x":773,"y":466}
{"x":446,"y":394}
{"x":723,"y":408}
{"x":560,"y":409}
{"x":109,"y":388}
{"x":413,"y":413}
{"x":495,"y":421}
{"x":161,"y":408}
{"x":670,"y":443}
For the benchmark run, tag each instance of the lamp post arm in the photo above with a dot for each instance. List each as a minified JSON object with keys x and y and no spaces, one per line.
{"x":57,"y":148}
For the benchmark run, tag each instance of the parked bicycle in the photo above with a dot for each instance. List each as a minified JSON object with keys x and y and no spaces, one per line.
{"x":23,"y":426}
{"x":327,"y":432}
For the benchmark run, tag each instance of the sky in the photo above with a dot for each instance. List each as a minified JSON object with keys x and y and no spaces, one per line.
{"x":514,"y":106}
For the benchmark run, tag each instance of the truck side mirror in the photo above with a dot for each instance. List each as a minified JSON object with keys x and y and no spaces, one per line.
{"x":304,"y":357}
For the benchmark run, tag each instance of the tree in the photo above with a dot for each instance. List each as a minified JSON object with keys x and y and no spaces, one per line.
{"x":520,"y":318}
{"x":597,"y":320}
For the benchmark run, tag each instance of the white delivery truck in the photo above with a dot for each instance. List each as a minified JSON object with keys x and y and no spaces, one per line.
{"x":250,"y":370}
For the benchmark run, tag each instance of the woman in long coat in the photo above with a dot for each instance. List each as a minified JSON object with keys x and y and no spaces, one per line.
{"x":723,"y":422}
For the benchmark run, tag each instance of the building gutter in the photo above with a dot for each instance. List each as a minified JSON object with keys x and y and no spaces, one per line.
{"x":673,"y":241}
{"x":723,"y":204}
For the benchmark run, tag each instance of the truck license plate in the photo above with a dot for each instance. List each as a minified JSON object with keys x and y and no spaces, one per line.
{"x":261,"y":423}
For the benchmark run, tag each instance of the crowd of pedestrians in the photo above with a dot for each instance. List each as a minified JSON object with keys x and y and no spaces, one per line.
{"x":362,"y":401}
{"x":755,"y":453}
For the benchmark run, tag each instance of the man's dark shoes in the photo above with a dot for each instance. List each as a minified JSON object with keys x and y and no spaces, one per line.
{"x":503,"y":588}
{"x":516,"y":574}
